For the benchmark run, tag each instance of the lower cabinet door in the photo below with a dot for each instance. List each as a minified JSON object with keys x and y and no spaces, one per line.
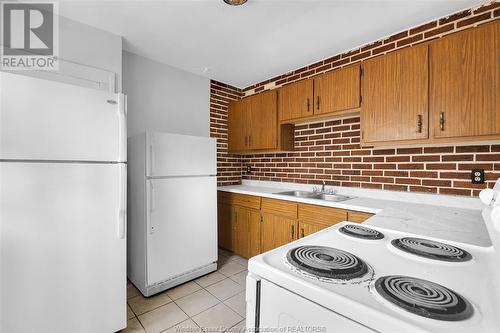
{"x":240,"y":232}
{"x":307,"y":228}
{"x":254,"y":232}
{"x":225,"y":226}
{"x":277,"y":231}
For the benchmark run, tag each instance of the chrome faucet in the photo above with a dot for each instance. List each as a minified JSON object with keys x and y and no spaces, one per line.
{"x":323,"y":187}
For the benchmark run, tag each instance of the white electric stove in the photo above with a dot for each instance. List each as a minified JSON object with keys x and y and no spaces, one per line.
{"x":356,"y":278}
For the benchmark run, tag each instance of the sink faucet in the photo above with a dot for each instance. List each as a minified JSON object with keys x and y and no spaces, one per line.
{"x":323,"y":187}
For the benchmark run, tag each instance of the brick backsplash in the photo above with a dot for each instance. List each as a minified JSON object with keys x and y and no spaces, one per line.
{"x":331,"y":151}
{"x":228,"y":166}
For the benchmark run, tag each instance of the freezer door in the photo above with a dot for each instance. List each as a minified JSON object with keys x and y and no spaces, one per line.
{"x":62,"y":247}
{"x":48,"y":120}
{"x":180,"y":155}
{"x":182,"y":226}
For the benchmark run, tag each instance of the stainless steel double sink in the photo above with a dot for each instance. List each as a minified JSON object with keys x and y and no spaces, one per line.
{"x":316,"y":195}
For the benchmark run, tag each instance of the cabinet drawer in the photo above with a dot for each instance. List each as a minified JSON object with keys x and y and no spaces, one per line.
{"x":244,"y":200}
{"x":321,"y":215}
{"x":358,"y":217}
{"x":279,"y":207}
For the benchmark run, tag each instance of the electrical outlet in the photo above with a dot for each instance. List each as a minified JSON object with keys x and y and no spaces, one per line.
{"x":249,"y":169}
{"x":477,"y":176}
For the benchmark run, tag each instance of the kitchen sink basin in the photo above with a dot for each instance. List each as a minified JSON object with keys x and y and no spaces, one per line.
{"x":333,"y":197}
{"x":315,"y":195}
{"x":299,"y":194}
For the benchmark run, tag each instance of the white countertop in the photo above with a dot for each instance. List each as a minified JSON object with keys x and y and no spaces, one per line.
{"x":430,"y":215}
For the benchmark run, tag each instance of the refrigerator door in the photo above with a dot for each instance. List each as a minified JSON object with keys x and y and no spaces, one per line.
{"x":182,"y":225}
{"x":62,"y":247}
{"x":170,"y":155}
{"x":59,"y":121}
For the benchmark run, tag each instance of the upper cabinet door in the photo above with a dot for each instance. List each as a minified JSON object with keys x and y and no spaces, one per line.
{"x":338,"y":90}
{"x":237,"y":138}
{"x":263,"y":120}
{"x":296,"y":100}
{"x":395,"y":96}
{"x":465,"y":83}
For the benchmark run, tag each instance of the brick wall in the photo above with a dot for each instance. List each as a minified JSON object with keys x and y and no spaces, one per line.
{"x":228,"y":166}
{"x":330,"y":150}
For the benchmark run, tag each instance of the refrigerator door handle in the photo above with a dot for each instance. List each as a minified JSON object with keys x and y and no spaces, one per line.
{"x":151,"y":154}
{"x":152,"y":207}
{"x":122,"y":127}
{"x":122,"y":210}
{"x":152,"y":204}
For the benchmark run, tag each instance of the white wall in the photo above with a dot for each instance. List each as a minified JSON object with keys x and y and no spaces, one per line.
{"x":89,"y":57}
{"x":91,"y":47}
{"x":164,"y":98}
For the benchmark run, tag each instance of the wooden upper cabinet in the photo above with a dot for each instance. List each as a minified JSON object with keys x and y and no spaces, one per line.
{"x":263,"y":124}
{"x":237,"y":132}
{"x":395,"y":96}
{"x":465,"y":83}
{"x":253,"y":125}
{"x":337,"y":90}
{"x":296,"y":100}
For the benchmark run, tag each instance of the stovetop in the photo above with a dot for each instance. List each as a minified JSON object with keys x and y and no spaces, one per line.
{"x":464,"y":285}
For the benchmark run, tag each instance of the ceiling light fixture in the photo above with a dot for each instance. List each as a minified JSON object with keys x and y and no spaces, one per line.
{"x":235,"y":2}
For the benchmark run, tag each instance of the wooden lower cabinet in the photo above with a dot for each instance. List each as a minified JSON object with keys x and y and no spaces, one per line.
{"x":239,"y":223}
{"x":225,"y":225}
{"x":279,"y":223}
{"x":250,"y":225}
{"x":307,"y":228}
{"x":254,"y":233}
{"x":246,"y":231}
{"x":358,"y":217}
{"x":276,"y":231}
{"x":313,"y":218}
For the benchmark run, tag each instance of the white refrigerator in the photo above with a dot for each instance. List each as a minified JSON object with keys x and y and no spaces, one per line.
{"x":62,"y":207}
{"x":172,"y":209}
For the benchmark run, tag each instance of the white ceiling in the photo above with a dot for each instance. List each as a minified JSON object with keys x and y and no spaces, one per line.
{"x":254,"y":42}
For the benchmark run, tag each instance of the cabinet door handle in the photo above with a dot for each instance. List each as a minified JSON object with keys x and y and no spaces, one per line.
{"x":301,"y":232}
{"x":308,"y":105}
{"x":317,"y":102}
{"x":419,"y":123}
{"x":441,"y":121}
{"x":293,"y":231}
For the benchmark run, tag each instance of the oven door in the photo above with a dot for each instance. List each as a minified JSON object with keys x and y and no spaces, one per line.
{"x":275,"y":309}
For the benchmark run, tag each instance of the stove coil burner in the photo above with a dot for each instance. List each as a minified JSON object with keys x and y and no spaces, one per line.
{"x":361,"y":232}
{"x":326,"y":262}
{"x":431,"y":249}
{"x":424,"y":298}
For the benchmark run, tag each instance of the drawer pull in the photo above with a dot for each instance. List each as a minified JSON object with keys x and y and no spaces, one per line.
{"x":301,"y":232}
{"x":293,"y":231}
{"x":441,"y":121}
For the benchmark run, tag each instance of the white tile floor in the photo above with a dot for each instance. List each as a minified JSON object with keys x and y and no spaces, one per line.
{"x":212,"y":303}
